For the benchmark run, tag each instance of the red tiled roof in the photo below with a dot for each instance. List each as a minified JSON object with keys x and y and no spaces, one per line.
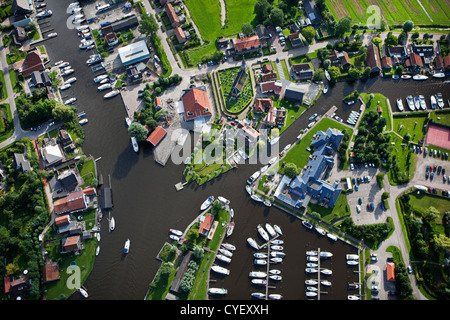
{"x":196,"y":104}
{"x":390,"y":271}
{"x":267,"y":67}
{"x":246,"y":43}
{"x":72,"y":203}
{"x":373,"y":57}
{"x":89,"y":191}
{"x":206,"y":224}
{"x":51,"y":272}
{"x":269,"y":76}
{"x":32,"y":62}
{"x":447,"y":61}
{"x":62,"y":220}
{"x":415,"y":59}
{"x":262,"y":103}
{"x":271,"y":86}
{"x":172,"y":15}
{"x":386,"y":61}
{"x":158,"y":102}
{"x":439,"y":62}
{"x":157,"y":135}
{"x":181,"y":37}
{"x":71,"y":243}
{"x":301,"y":66}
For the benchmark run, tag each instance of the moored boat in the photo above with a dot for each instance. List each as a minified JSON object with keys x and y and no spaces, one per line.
{"x":65,"y":86}
{"x":352,"y":262}
{"x":352,"y":297}
{"x":112,"y":224}
{"x":325,"y":254}
{"x":353,"y":286}
{"x":277,"y":242}
{"x":273,"y":160}
{"x":230,"y":229}
{"x":326,"y":271}
{"x":278,"y":229}
{"x":126,"y":247}
{"x":257,"y":274}
{"x":320,"y":231}
{"x":253,"y":243}
{"x":311,"y":253}
{"x":405,"y":76}
{"x":312,"y":265}
{"x":311,"y":282}
{"x":223,"y":200}
{"x":278,"y":254}
{"x":267,"y":203}
{"x":221,"y":291}
{"x":260,"y":262}
{"x":311,"y":294}
{"x":83,"y":292}
{"x":270,"y":230}
{"x":70,"y":80}
{"x":423,"y":104}
{"x":83,"y":121}
{"x":111,"y":94}
{"x":220,"y":270}
{"x":433,"y":102}
{"x":100,"y":78}
{"x":325,"y":283}
{"x":276,"y":248}
{"x":417,"y":103}
{"x":223,"y":258}
{"x":229,"y":246}
{"x":400,"y":104}
{"x":260,"y":255}
{"x":439,"y":75}
{"x":52,"y":35}
{"x":134,"y":144}
{"x":258,"y":295}
{"x":249,"y":189}
{"x":440,"y":101}
{"x":307,"y":224}
{"x":70,"y":101}
{"x":275,"y":277}
{"x":205,"y":205}
{"x":275,"y":296}
{"x":174,"y":237}
{"x":327,"y":75}
{"x":225,"y":252}
{"x":331,"y":236}
{"x":97,"y":251}
{"x":314,"y":289}
{"x":352,"y":257}
{"x":410,"y":102}
{"x":256,"y":198}
{"x":176,"y":232}
{"x":128,"y":121}
{"x":312,"y":259}
{"x":274,"y":271}
{"x":325,"y":89}
{"x":311,"y":270}
{"x":420,"y":77}
{"x":253,"y":177}
{"x":276,"y":260}
{"x":260,"y":282}
{"x":104,"y":86}
{"x":262,"y":232}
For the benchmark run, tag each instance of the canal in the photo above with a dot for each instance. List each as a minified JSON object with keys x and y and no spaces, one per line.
{"x":146,"y":204}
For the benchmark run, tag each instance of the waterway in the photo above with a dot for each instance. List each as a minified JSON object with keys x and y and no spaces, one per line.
{"x":146,"y":203}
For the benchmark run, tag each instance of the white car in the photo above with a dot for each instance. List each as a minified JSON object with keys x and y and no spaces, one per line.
{"x":352,"y":166}
{"x":358,"y":208}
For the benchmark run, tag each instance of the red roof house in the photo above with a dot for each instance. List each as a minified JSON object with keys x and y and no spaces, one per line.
{"x":181,"y":37}
{"x":74,"y":202}
{"x":206,"y":224}
{"x":390,"y":271}
{"x":32,"y":62}
{"x":248,"y":44}
{"x":262,"y":104}
{"x":18,"y":286}
{"x":172,"y":15}
{"x":373,"y":58}
{"x":157,"y":135}
{"x":71,"y":243}
{"x":196,"y":104}
{"x":50,"y":272}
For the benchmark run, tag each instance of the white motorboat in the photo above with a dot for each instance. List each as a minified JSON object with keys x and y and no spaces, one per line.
{"x":263,"y":169}
{"x":277,"y":254}
{"x":253,"y":243}
{"x":353,"y":286}
{"x":270,"y":230}
{"x":97,"y":251}
{"x":174,"y":237}
{"x":275,"y":277}
{"x":276,"y":248}
{"x":52,"y":35}
{"x":111,"y":94}
{"x":93,"y":59}
{"x":277,"y":242}
{"x":273,"y":160}
{"x":420,"y":77}
{"x":230,"y":229}
{"x":81,"y":28}
{"x":326,"y":271}
{"x":85,"y":43}
{"x":257,"y":274}
{"x":311,"y":270}
{"x":112,"y":224}
{"x":311,"y":294}
{"x":278,"y":229}
{"x":440,"y":101}
{"x":332,"y":236}
{"x":274,"y":271}
{"x":225,"y":252}
{"x":287,"y":147}
{"x":220,"y":270}
{"x":258,"y":295}
{"x":325,"y":254}
{"x":433,"y":102}
{"x":229,"y":246}
{"x":400,"y":104}
{"x":92,"y":46}
{"x":325,"y":283}
{"x":126,"y":247}
{"x":352,"y":297}
{"x":260,"y":255}
{"x":83,"y":121}
{"x":83,"y":292}
{"x":311,"y":282}
{"x":327,"y":75}
{"x":249,"y":189}
{"x":205,"y":205}
{"x":63,"y":64}
{"x":276,"y":260}
{"x":405,"y":76}
{"x":352,"y":257}
{"x":260,"y":282}
{"x":312,"y":259}
{"x":260,"y":262}
{"x":65,"y":86}
{"x":223,"y":258}
{"x":256,"y":198}
{"x":128,"y":121}
{"x":223,"y":200}
{"x":417,"y":103}
{"x":70,"y":80}
{"x":307,"y":224}
{"x":320,"y":231}
{"x":310,"y":288}
{"x":274,"y":140}
{"x":352,"y":263}
{"x":253,"y":177}
{"x":439,"y":75}
{"x":44,"y":14}
{"x":176,"y":232}
{"x":311,"y":253}
{"x":100,"y":78}
{"x":134,"y":144}
{"x":275,"y":296}
{"x":267,"y":203}
{"x":410,"y":102}
{"x":220,"y":291}
{"x":262,"y":232}
{"x":57,"y":63}
{"x":312,"y":265}
{"x":68,"y":71}
{"x":423,"y":104}
{"x":325,"y":89}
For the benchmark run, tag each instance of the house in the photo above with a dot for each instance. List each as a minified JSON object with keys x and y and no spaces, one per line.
{"x":414,"y":62}
{"x":16,"y":287}
{"x":157,"y":135}
{"x":19,"y":35}
{"x":426,"y":51}
{"x":206,"y":224}
{"x":275,"y":117}
{"x":438,"y":63}
{"x":180,"y":34}
{"x":196,"y":104}
{"x":262,"y":105}
{"x":249,"y":134}
{"x":32,"y":62}
{"x":274,"y":87}
{"x":447,"y":63}
{"x":390,"y":271}
{"x":69,"y":179}
{"x":398,"y":51}
{"x":134,"y":53}
{"x":262,"y":33}
{"x":52,"y":155}
{"x":122,"y":25}
{"x":173,"y":18}
{"x":267,"y":73}
{"x":68,"y":226}
{"x":312,"y":12}
{"x":386,"y":62}
{"x":294,"y":93}
{"x":40,"y":79}
{"x":111,"y":38}
{"x":295,"y":39}
{"x":340,"y":59}
{"x":74,"y":202}
{"x":158,"y":104}
{"x":21,"y":7}
{"x":71,"y":244}
{"x":50,"y":272}
{"x":20,"y":163}
{"x":298,"y":67}
{"x":246,"y":45}
{"x":373,"y":58}
{"x":64,"y":138}
{"x":135,"y":71}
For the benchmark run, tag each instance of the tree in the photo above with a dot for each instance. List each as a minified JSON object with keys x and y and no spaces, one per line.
{"x":138,"y":131}
{"x":277,"y":16}
{"x":326,"y":63}
{"x":354,"y":74}
{"x":334,"y":73}
{"x":247,"y":29}
{"x":431,"y":214}
{"x":309,"y":33}
{"x":148,"y":25}
{"x":262,"y":8}
{"x":319,"y":75}
{"x":291,"y":170}
{"x":344,"y":25}
{"x":408,"y":26}
{"x":62,"y":112}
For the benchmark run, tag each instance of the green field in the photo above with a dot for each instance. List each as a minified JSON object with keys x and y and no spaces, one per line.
{"x":207,"y":18}
{"x":378,"y":100}
{"x":412,"y":124}
{"x":393,"y":11}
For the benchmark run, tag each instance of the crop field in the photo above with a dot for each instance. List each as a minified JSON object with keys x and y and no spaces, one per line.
{"x":394,"y":11}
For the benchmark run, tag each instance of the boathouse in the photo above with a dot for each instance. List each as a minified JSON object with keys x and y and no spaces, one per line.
{"x":157,"y":135}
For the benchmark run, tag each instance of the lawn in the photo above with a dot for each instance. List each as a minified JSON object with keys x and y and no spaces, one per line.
{"x":235,"y":105}
{"x":421,"y":202}
{"x":412,"y":124}
{"x":400,"y":150}
{"x":378,"y":100}
{"x":328,"y":215}
{"x":3,"y":84}
{"x":393,"y":11}
{"x":292,"y":112}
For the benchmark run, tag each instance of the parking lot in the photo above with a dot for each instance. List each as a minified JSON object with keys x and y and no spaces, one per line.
{"x":437,"y":181}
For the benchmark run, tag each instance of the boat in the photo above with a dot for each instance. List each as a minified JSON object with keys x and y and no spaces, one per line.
{"x":256,"y":198}
{"x":57,"y":63}
{"x":433,"y":102}
{"x":331,"y":236}
{"x":420,"y":77}
{"x":134,"y":144}
{"x":278,"y":229}
{"x":277,"y":242}
{"x":312,"y":265}
{"x":273,"y":160}
{"x":176,"y":232}
{"x":223,"y":200}
{"x":92,"y":46}
{"x":287,"y":147}
{"x":311,"y":253}
{"x":327,"y":75}
{"x":65,"y":86}
{"x":352,"y":257}
{"x":83,"y":292}
{"x":81,"y":114}
{"x":260,"y":255}
{"x":417,"y":103}
{"x":263,"y":169}
{"x":260,"y":262}
{"x":311,"y":270}
{"x":260,"y":282}
{"x":249,"y":189}
{"x":276,"y":260}
{"x":325,"y":283}
{"x":405,"y":76}
{"x":312,"y":259}
{"x":128,"y":121}
{"x":309,"y":288}
{"x":104,"y":86}
{"x":44,"y":14}
{"x":440,"y":101}
{"x":98,"y":236}
{"x":275,"y":296}
{"x":439,"y":75}
{"x":253,"y":243}
{"x":126,"y":247}
{"x":52,"y":35}
{"x":320,"y":231}
{"x":223,"y":258}
{"x":85,"y":43}
{"x":68,"y":71}
{"x":275,"y":277}
{"x":325,"y":254}
{"x":81,"y":28}
{"x":353,"y":286}
{"x":326,"y":271}
{"x":352,"y":262}
{"x":93,"y":59}
{"x":352,"y":297}
{"x":228,"y":246}
{"x":274,"y":271}
{"x":307,"y":224}
{"x":409,"y":101}
{"x":100,"y":78}
{"x":111,"y":94}
{"x":83,"y":121}
{"x":112,"y":224}
{"x":311,"y":294}
{"x":274,"y":140}
{"x":220,"y":270}
{"x":63,"y":64}
{"x":221,"y":291}
{"x":311,"y":282}
{"x":267,"y":203}
{"x":205,"y":205}
{"x":276,"y":248}
{"x":97,"y":251}
{"x":423,"y":104}
{"x":230,"y":229}
{"x":174,"y":237}
{"x":270,"y":230}
{"x":325,"y":89}
{"x":262,"y":232}
{"x":395,"y":77}
{"x":253,"y":177}
{"x":257,"y":274}
{"x":70,"y":80}
{"x":400,"y":104}
{"x":277,"y":254}
{"x":258,"y":295}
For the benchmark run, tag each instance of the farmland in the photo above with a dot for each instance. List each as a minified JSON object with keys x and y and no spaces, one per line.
{"x":393,"y":11}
